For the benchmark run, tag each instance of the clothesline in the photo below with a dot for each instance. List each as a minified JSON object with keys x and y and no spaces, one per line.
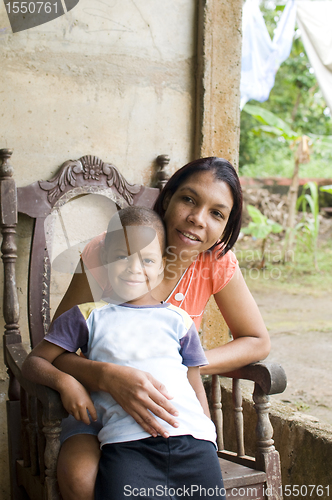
{"x":262,"y":57}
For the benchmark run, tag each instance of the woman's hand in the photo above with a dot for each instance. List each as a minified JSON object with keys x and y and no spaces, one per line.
{"x":137,"y":392}
{"x":140,"y":395}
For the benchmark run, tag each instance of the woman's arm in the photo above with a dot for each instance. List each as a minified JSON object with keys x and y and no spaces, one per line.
{"x":136,"y":391}
{"x":251,"y":339}
{"x":38,"y":368}
{"x":196,"y":383}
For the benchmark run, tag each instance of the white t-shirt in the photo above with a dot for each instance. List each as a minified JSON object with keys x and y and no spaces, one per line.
{"x":161,"y":340}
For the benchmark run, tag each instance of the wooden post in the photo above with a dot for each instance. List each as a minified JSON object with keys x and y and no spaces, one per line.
{"x":8,"y":221}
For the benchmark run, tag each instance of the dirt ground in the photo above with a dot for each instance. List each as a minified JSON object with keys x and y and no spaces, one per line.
{"x":300,"y":327}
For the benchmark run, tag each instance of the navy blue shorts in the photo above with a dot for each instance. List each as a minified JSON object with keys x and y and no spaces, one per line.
{"x":175,"y":468}
{"x":71,"y":427}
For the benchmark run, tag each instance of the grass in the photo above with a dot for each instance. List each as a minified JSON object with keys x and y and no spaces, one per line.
{"x":297,"y":276}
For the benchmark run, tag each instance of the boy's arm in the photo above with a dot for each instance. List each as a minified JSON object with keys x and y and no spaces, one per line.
{"x":39,"y":369}
{"x":196,"y":383}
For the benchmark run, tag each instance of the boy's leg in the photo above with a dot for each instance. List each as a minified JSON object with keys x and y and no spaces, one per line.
{"x":133,"y":469}
{"x":78,"y":467}
{"x":194,"y":469}
{"x":174,"y":468}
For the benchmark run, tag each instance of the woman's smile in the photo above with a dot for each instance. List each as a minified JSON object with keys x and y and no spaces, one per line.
{"x":190,"y":236}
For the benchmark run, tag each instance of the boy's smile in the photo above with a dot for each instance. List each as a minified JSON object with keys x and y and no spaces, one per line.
{"x":134,"y":271}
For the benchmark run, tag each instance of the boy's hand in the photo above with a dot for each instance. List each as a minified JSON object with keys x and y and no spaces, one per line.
{"x":76,"y":400}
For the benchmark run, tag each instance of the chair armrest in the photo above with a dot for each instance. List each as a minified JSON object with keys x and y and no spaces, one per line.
{"x":271,"y":377}
{"x":50,"y":399}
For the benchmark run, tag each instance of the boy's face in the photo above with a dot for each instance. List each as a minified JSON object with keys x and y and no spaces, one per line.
{"x":133,"y":268}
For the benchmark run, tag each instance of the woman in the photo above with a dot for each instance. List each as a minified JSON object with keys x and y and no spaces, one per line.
{"x":201,"y":206}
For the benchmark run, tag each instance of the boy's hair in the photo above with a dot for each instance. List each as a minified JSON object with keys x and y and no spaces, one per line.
{"x":137,"y":216}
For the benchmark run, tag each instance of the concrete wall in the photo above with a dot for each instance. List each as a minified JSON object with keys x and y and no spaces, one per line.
{"x":305,"y":447}
{"x":110,"y":78}
{"x":114,"y":79}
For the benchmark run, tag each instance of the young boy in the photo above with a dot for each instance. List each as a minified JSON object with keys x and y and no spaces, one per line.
{"x":133,"y":329}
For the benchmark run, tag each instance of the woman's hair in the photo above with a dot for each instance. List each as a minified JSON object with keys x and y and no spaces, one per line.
{"x":223,"y":171}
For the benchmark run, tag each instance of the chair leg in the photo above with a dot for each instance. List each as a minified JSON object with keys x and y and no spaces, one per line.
{"x":51,"y":430}
{"x":273,"y":490}
{"x":267,"y":457}
{"x":15,"y":448}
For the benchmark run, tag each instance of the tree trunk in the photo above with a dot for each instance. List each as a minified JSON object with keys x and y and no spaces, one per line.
{"x":292,"y":197}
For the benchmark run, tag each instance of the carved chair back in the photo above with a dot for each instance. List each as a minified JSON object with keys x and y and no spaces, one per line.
{"x":43,"y":199}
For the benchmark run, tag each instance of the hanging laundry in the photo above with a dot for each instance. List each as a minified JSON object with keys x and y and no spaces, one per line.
{"x":314,"y":20}
{"x":261,"y":56}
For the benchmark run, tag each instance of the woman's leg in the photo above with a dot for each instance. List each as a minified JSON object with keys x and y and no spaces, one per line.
{"x":78,"y":467}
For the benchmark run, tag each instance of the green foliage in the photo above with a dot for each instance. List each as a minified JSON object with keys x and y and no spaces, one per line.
{"x":298,"y":275}
{"x":272,"y":124}
{"x":326,"y":189}
{"x":260,"y":227}
{"x":298,"y":102}
{"x":307,"y":229}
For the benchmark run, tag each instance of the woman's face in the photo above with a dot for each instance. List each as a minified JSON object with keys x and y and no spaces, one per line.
{"x":197,"y":213}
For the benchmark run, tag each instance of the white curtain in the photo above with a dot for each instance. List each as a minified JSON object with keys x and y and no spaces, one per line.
{"x":315,"y":22}
{"x":261,"y":56}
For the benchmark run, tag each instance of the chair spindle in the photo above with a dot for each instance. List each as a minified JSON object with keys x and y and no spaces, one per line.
{"x":217,"y":411}
{"x":238,"y":417}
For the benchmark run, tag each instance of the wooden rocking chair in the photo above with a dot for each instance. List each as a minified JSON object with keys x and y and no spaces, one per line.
{"x":34,"y":412}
